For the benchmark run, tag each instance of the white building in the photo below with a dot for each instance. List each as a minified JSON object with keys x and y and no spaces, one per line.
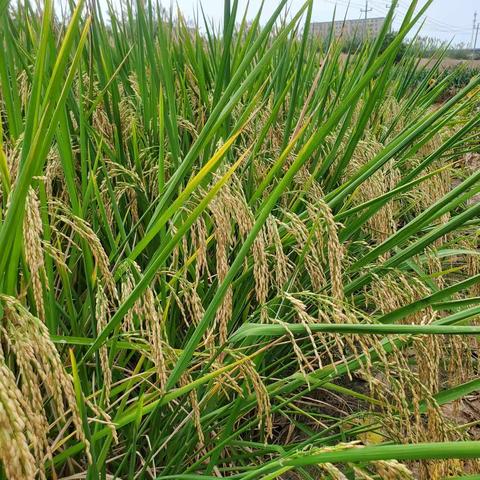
{"x":370,"y":27}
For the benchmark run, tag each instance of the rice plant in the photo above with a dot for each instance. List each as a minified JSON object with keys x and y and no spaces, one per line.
{"x":233,"y":251}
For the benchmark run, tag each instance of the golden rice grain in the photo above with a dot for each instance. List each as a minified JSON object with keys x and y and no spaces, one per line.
{"x":32,"y":234}
{"x":42,"y":374}
{"x":102,"y":316}
{"x":16,"y":429}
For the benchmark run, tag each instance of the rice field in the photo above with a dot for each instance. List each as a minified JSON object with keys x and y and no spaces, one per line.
{"x":234,"y":251}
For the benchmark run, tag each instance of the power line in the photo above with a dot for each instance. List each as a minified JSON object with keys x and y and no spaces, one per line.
{"x":379,"y":5}
{"x":446,"y":25}
{"x":432,"y":20}
{"x":431,"y":23}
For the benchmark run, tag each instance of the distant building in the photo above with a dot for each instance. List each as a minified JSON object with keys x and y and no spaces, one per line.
{"x":349,"y":28}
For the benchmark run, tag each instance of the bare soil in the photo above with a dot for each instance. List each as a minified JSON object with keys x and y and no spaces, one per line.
{"x":451,"y":62}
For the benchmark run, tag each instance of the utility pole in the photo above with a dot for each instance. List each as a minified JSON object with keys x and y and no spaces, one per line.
{"x":474,"y":28}
{"x":476,"y":38}
{"x":366,"y":9}
{"x":366,"y":16}
{"x":388,"y":6}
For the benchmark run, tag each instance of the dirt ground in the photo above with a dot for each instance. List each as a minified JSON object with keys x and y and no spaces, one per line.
{"x":452,"y":62}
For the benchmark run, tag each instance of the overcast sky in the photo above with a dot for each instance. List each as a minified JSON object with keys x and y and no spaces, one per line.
{"x":446,"y":19}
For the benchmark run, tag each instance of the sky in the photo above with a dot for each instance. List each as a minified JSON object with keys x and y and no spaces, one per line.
{"x":445,"y":19}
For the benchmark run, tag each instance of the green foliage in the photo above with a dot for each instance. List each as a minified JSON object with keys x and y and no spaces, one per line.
{"x":389,"y":37}
{"x":253,"y":253}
